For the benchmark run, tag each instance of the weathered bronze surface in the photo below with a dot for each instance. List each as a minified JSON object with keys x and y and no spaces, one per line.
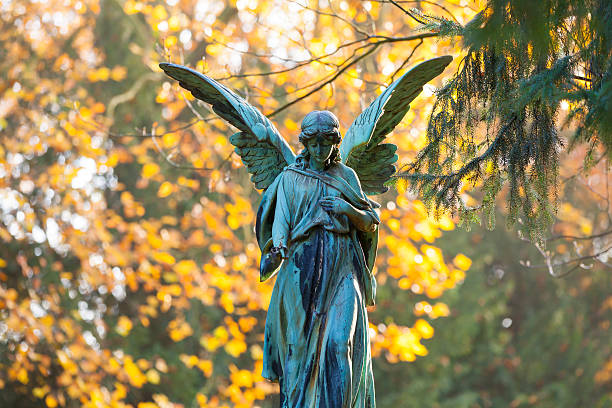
{"x":318,"y":231}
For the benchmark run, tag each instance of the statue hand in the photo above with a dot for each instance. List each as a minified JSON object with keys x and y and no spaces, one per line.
{"x":279,"y":251}
{"x":335,"y":205}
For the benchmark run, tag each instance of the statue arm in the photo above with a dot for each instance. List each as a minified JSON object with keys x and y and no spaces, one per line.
{"x":364,"y":220}
{"x":282,"y":217}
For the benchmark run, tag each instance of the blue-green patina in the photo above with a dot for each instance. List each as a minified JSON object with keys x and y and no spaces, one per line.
{"x":315,"y":213}
{"x":316,"y":340}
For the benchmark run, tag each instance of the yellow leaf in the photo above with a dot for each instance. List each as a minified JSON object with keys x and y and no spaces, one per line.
{"x":2,"y":263}
{"x":118,"y":73}
{"x":165,"y":189}
{"x":149,"y":170}
{"x":170,"y":277}
{"x":440,"y":310}
{"x":226,"y":302}
{"x":155,"y":241}
{"x":159,"y":12}
{"x":210,"y":343}
{"x":136,"y":377}
{"x":174,"y":23}
{"x":170,"y":41}
{"x":185,"y":267}
{"x":233,"y":221}
{"x":174,"y":290}
{"x":103,"y":74}
{"x":40,"y":392}
{"x":462,"y":262}
{"x":22,"y":376}
{"x":51,"y":401}
{"x":124,"y":325}
{"x":235,"y":347}
{"x":153,"y":376}
{"x":221,"y":333}
{"x":291,"y":125}
{"x":132,"y":7}
{"x":147,"y":405}
{"x":424,"y":328}
{"x":98,"y":107}
{"x":164,"y":257}
{"x":201,"y":399}
{"x":419,"y":349}
{"x":112,"y":160}
{"x":179,"y":330}
{"x":242,"y":378}
{"x":120,"y":391}
{"x":85,"y":112}
{"x":393,"y":224}
{"x":190,"y":361}
{"x":206,"y":366}
{"x":170,"y":139}
{"x":247,"y":323}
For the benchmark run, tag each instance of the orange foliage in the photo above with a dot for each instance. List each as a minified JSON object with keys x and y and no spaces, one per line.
{"x":104,"y":242}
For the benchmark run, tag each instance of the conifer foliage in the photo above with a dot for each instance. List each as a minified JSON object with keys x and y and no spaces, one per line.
{"x":531,"y":71}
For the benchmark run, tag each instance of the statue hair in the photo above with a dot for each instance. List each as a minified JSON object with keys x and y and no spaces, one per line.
{"x":323,"y":123}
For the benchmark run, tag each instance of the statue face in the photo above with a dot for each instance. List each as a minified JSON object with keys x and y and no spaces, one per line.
{"x":320,"y":148}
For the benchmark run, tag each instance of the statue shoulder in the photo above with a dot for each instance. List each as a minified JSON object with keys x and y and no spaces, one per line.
{"x":348,"y":174}
{"x":287,"y":175}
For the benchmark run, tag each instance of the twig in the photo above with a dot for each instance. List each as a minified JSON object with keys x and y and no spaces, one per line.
{"x":142,"y":135}
{"x":405,"y":62}
{"x":334,"y":15}
{"x":576,"y":238}
{"x":168,"y":158}
{"x":336,"y":75}
{"x":426,"y":2}
{"x":581,"y":78}
{"x":130,"y":93}
{"x":380,"y":38}
{"x":373,"y":46}
{"x":550,"y":265}
{"x":407,"y":12}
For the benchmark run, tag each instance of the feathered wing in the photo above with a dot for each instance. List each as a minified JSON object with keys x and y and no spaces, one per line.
{"x":361,"y":148}
{"x":261,"y":147}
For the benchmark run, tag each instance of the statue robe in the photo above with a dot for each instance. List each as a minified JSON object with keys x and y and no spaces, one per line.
{"x":316,"y":337}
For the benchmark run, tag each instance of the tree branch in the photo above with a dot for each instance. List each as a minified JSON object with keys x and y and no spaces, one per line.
{"x":576,"y":238}
{"x":333,"y":78}
{"x":373,"y":46}
{"x":407,"y":12}
{"x":130,"y":93}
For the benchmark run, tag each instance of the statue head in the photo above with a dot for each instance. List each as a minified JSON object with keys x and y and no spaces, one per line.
{"x":320,"y":137}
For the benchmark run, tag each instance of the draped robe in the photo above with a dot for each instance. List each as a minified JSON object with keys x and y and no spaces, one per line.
{"x":316,"y":341}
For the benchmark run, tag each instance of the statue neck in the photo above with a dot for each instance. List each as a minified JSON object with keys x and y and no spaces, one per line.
{"x":318,"y":166}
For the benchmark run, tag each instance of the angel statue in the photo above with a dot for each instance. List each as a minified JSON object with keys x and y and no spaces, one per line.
{"x":318,"y":230}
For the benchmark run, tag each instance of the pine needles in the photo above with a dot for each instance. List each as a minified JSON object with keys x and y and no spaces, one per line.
{"x":496,"y":122}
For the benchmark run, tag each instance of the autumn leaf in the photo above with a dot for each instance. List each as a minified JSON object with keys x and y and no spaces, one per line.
{"x":235,"y":347}
{"x":165,"y":189}
{"x":163,"y":257}
{"x":462,"y":262}
{"x":124,"y":325}
{"x":149,"y":170}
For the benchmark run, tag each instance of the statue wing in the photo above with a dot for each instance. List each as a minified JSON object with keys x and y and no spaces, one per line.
{"x":361,"y":147}
{"x":261,"y":147}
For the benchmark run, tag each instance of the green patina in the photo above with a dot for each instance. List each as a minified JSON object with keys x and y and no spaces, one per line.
{"x":318,"y":232}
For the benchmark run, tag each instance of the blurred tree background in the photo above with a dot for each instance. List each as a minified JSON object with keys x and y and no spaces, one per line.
{"x":128,"y":263}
